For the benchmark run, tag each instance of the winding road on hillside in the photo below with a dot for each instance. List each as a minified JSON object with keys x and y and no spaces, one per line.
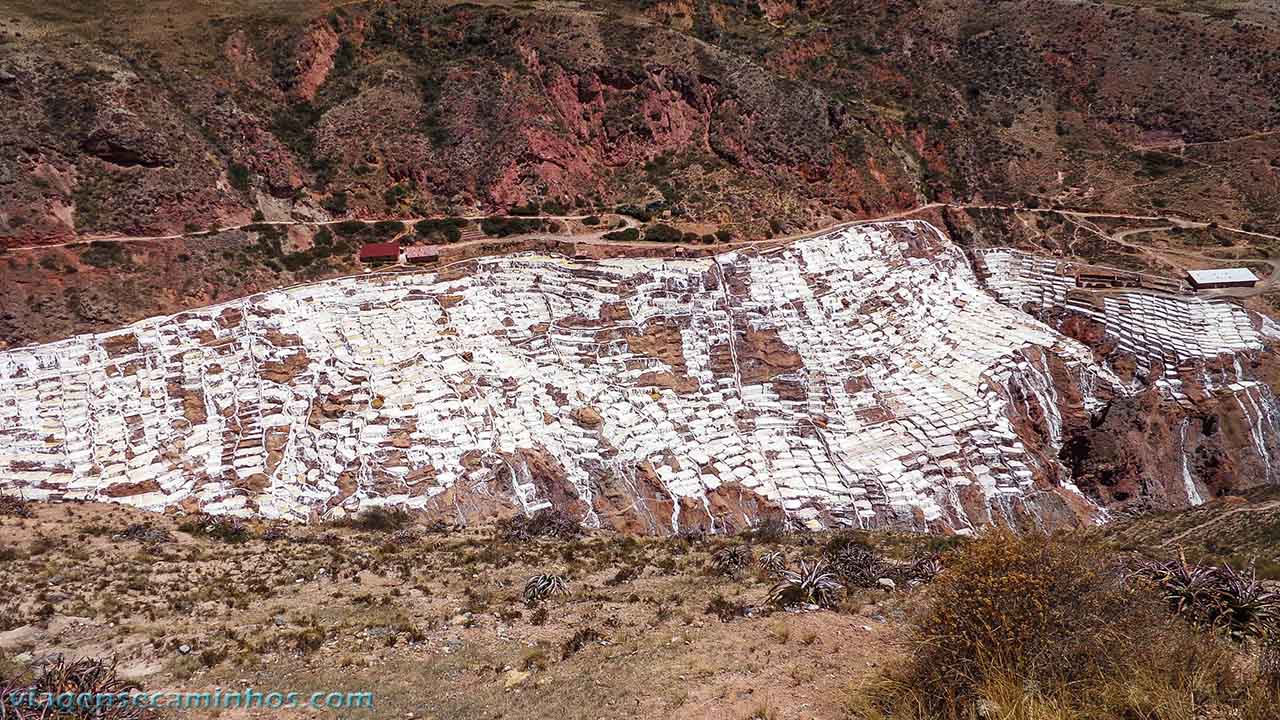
{"x":596,"y":237}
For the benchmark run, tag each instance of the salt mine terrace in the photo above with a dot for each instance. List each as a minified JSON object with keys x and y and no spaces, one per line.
{"x":866,"y":376}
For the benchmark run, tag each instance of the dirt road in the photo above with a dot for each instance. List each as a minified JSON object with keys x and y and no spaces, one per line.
{"x":596,"y":237}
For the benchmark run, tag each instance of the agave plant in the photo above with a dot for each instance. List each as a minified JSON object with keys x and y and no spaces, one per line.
{"x":856,"y":565}
{"x":1232,"y":601}
{"x":1245,"y":608}
{"x":1187,"y":589}
{"x":731,"y":560}
{"x":14,"y":506}
{"x":773,"y":562}
{"x":924,"y":569}
{"x":61,"y":677}
{"x":541,"y":587}
{"x":808,"y":584}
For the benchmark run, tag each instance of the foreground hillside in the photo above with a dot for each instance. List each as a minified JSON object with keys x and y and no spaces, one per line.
{"x":432,"y":620}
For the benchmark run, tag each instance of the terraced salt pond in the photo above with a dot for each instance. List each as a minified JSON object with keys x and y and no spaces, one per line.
{"x":859,"y":377}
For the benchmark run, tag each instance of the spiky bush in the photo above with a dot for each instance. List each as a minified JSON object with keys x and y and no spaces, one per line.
{"x":14,"y":506}
{"x":689,"y":536}
{"x":1269,"y":662}
{"x":61,"y":677}
{"x":405,"y":536}
{"x":1184,"y":587}
{"x":379,"y":519}
{"x":549,"y":522}
{"x":731,"y":560}
{"x":773,"y":562}
{"x":1245,"y":607}
{"x":808,"y":584}
{"x":770,"y":530}
{"x":855,"y":564}
{"x":581,"y":638}
{"x":144,"y":533}
{"x":924,"y":569}
{"x":219,"y":527}
{"x":436,"y":527}
{"x":1232,"y":601}
{"x":541,"y":587}
{"x":275,"y":533}
{"x":726,"y":610}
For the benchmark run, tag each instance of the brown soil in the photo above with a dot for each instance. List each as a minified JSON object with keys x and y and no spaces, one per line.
{"x":434,"y":624}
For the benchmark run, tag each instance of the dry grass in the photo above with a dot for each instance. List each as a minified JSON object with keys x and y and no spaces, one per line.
{"x":432,"y":622}
{"x":1040,"y":628}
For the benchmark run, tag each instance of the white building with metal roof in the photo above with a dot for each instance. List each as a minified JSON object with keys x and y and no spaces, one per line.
{"x":1224,"y":278}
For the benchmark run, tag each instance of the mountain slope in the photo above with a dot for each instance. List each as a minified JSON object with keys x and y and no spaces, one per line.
{"x":762,"y":117}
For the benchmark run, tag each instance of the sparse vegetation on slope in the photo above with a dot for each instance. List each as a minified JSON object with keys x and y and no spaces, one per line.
{"x":1040,"y":627}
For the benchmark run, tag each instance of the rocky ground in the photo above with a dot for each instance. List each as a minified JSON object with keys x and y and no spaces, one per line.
{"x":431,"y":619}
{"x":433,"y":622}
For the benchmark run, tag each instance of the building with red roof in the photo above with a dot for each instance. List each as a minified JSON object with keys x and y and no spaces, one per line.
{"x":380,"y":252}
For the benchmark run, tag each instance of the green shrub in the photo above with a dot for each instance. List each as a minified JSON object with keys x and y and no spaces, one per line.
{"x":105,"y":255}
{"x":293,"y":262}
{"x":350,"y":228}
{"x":388,"y":228}
{"x":445,"y":230}
{"x":239,"y":176}
{"x":379,"y":519}
{"x":394,"y":195}
{"x":635,"y":211}
{"x":336,"y":203}
{"x":504,"y":226}
{"x":662,"y":233}
{"x":627,"y":235}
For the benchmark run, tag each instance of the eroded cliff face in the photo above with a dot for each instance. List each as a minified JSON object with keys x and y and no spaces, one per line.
{"x":408,"y":109}
{"x":1198,"y":416}
{"x":863,"y":378}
